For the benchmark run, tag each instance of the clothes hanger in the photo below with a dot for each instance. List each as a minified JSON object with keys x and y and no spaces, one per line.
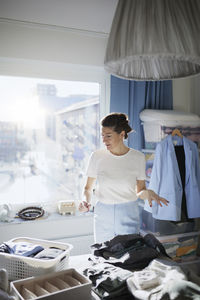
{"x":176,"y":131}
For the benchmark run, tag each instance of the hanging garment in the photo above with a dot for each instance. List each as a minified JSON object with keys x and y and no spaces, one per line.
{"x":180,"y":156}
{"x":166,"y":180}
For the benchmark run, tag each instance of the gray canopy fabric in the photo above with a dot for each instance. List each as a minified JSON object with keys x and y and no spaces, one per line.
{"x":154,"y":40}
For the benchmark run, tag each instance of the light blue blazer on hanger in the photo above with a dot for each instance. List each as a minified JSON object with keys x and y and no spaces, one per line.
{"x":166,"y":180}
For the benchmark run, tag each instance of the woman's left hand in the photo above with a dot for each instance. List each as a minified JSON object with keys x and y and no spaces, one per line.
{"x":152,"y":196}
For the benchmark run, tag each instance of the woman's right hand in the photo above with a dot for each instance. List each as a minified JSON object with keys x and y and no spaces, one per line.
{"x":84,"y":206}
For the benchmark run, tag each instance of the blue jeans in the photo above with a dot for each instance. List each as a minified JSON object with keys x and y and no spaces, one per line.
{"x":114,"y":219}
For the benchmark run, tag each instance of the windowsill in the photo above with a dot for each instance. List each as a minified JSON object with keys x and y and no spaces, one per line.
{"x":48,"y":218}
{"x":53,"y":227}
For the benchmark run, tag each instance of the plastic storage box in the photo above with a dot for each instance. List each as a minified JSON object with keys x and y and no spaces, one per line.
{"x":67,"y":284}
{"x":19,"y":266}
{"x":157,"y":124}
{"x":181,"y":247}
{"x":164,"y":227}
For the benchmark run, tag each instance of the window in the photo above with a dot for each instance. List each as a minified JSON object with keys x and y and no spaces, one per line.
{"x":48,"y":129}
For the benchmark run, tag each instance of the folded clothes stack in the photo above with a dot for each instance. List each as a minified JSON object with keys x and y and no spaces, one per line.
{"x":161,"y":281}
{"x":109,"y":282}
{"x":30,"y":250}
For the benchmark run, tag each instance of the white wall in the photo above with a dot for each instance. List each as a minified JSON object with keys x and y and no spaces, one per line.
{"x":195,"y":95}
{"x":52,"y":44}
{"x":89,"y":15}
{"x":186,"y":94}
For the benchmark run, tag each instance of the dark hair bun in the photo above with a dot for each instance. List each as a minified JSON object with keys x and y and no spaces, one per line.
{"x":118,"y":121}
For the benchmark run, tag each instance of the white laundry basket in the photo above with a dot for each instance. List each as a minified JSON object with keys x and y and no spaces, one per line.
{"x":19,"y":267}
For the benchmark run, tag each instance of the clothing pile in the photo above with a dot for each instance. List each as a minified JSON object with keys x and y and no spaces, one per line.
{"x":30,"y":250}
{"x":135,"y":267}
{"x":113,"y":262}
{"x":162,"y":281}
{"x":109,"y":282}
{"x":130,"y":251}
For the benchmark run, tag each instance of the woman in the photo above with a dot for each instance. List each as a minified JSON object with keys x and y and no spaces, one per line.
{"x":120,"y":174}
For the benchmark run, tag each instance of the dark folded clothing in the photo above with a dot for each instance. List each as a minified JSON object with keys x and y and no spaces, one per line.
{"x":137,"y":259}
{"x":139,"y":251}
{"x":108,"y":282}
{"x":4,"y":248}
{"x":119,"y":294}
{"x":119,"y":253}
{"x":153,"y":242}
{"x":119,"y":243}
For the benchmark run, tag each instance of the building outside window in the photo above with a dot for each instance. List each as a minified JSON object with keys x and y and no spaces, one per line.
{"x":48,"y":129}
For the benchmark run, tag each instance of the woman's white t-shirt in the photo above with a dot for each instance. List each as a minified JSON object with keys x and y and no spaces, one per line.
{"x":116,"y":175}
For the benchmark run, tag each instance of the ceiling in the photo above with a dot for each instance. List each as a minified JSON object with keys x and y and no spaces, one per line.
{"x":89,"y":15}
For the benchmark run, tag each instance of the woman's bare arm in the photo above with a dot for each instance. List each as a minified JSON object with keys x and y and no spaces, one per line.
{"x":84,"y":206}
{"x":150,"y":195}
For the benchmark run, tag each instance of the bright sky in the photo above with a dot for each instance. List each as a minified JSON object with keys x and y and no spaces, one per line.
{"x":18,"y":98}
